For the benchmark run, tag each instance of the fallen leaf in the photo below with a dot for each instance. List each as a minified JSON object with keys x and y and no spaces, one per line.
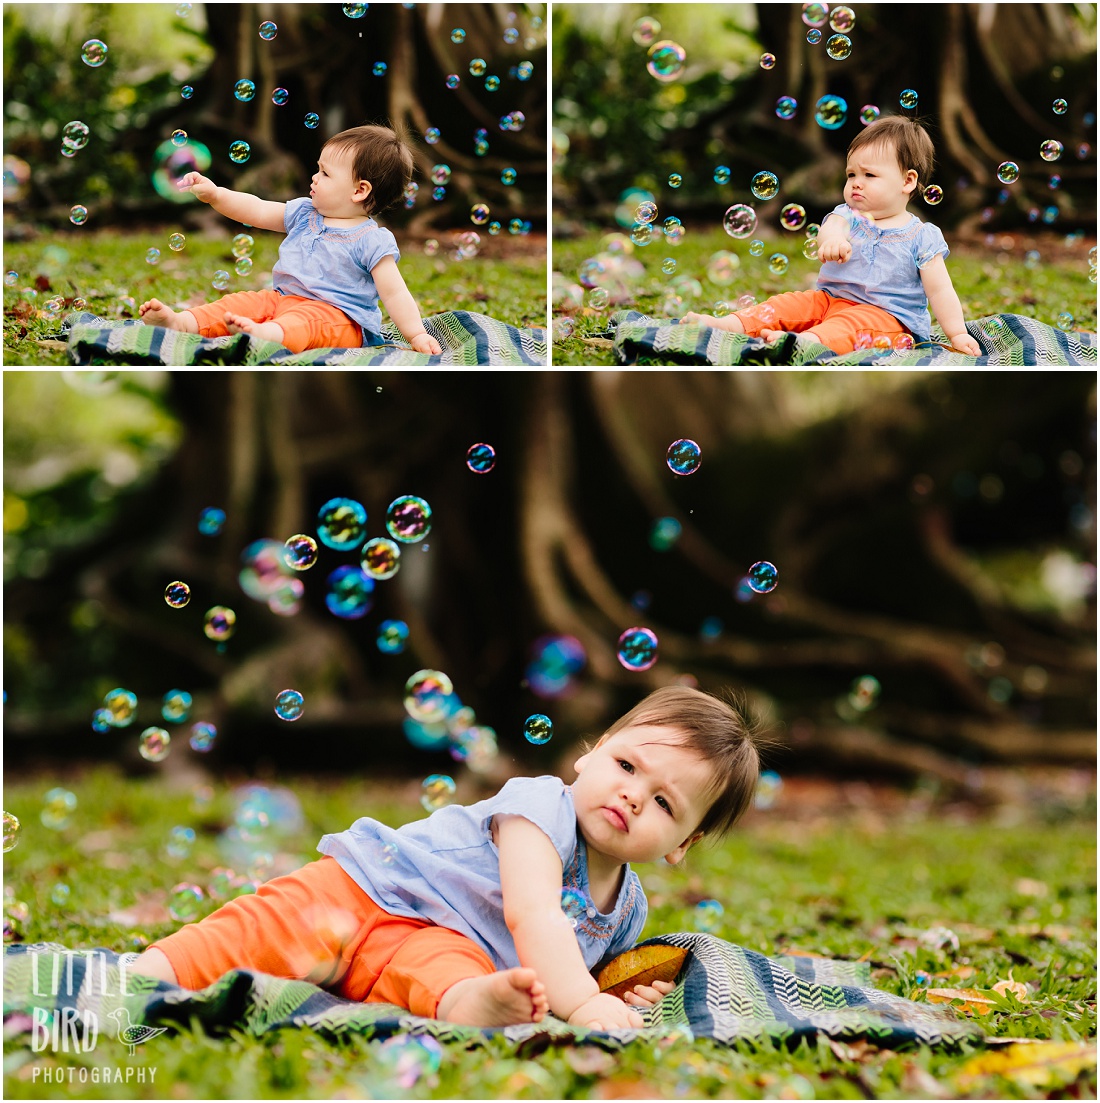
{"x":142,"y":913}
{"x":1039,"y":1065}
{"x":642,"y":966}
{"x":973,"y":1000}
{"x":1018,"y":989}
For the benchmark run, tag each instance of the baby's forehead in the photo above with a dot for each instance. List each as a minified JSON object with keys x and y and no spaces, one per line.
{"x":881,"y":153}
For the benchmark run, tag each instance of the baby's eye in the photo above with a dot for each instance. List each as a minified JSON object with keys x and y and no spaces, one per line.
{"x":665,"y":805}
{"x":626,"y":766}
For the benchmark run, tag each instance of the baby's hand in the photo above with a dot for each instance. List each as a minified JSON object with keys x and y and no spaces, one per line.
{"x":199,"y":186}
{"x":963,"y":342}
{"x":424,"y":342}
{"x":835,"y":250}
{"x":605,"y":1012}
{"x":647,"y":995}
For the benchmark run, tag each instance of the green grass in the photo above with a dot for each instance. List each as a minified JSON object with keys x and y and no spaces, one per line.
{"x":109,"y":271}
{"x":987,"y":281}
{"x":1017,"y":888}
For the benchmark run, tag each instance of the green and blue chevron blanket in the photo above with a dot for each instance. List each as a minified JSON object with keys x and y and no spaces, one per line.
{"x":724,"y":992}
{"x":467,"y":340}
{"x":1006,"y":340}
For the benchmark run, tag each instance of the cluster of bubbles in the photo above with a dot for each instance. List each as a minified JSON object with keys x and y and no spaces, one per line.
{"x":437,"y":719}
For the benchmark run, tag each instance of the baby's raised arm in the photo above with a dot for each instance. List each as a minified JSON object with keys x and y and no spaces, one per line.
{"x":530,"y":882}
{"x":832,"y":239}
{"x":237,"y":205}
{"x":944,"y":301}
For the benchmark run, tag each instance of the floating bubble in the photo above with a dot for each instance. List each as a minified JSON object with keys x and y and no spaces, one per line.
{"x":75,"y":135}
{"x":809,"y":248}
{"x":101,"y":721}
{"x":180,"y":841}
{"x":722,"y":174}
{"x":666,"y":60}
{"x":300,"y":552}
{"x":221,"y":883}
{"x":122,"y":705}
{"x":864,"y":693}
{"x":186,"y":92}
{"x":184,"y":10}
{"x":78,"y":214}
{"x":492,"y":84}
{"x":11,"y":278}
{"x":478,"y":67}
{"x":176,"y":242}
{"x":645,"y":212}
{"x":597,"y":298}
{"x":379,"y":69}
{"x":908,"y":98}
{"x":767,"y":61}
{"x":244,"y":90}
{"x":152,"y":256}
{"x":511,"y":35}
{"x":1060,"y":107}
{"x":219,"y":623}
{"x":831,"y":112}
{"x":778,"y":263}
{"x":842,"y":19}
{"x":707,"y":915}
{"x":437,"y":791}
{"x":838,"y":47}
{"x":93,"y":53}
{"x":381,"y":558}
{"x":409,"y":519}
{"x":479,"y":214}
{"x":239,"y":152}
{"x":177,"y":594}
{"x":933,"y":194}
{"x":355,"y":11}
{"x":524,"y":70}
{"x":1008,"y":172}
{"x":508,"y":176}
{"x":220,"y":280}
{"x":428,"y":696}
{"x":176,"y":705}
{"x":203,"y":735}
{"x":312,"y":120}
{"x":243,"y":245}
{"x":815,"y":15}
{"x":675,"y":180}
{"x":574,"y":905}
{"x":763,"y":577}
{"x":1050,"y":150}
{"x":786,"y":107}
{"x":756,"y":248}
{"x":538,"y":729}
{"x":903,"y":342}
{"x":765,"y":185}
{"x":637,"y":648}
{"x":684,"y":457}
{"x":668,"y":265}
{"x":350,"y":593}
{"x":289,"y":704}
{"x":868,"y":113}
{"x":768,"y":786}
{"x":153,"y":744}
{"x":793,"y":216}
{"x":341,"y":524}
{"x":243,"y":266}
{"x":1065,"y":321}
{"x":458,"y":35}
{"x":268,"y":30}
{"x":58,"y":806}
{"x":265,"y":571}
{"x":185,"y":902}
{"x":60,"y":894}
{"x":722,"y":267}
{"x":481,"y":458}
{"x":813,"y":36}
{"x":392,"y":636}
{"x":645,"y":31}
{"x":664,"y":533}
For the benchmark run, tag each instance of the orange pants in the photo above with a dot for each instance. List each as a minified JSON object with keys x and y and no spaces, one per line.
{"x":306,"y":323}
{"x":317,"y":924}
{"x":838,"y":323}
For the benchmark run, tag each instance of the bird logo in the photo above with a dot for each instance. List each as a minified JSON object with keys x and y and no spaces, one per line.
{"x":130,"y":1035}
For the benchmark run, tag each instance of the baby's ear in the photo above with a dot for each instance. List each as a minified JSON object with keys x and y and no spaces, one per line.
{"x":580,"y":763}
{"x":674,"y":857}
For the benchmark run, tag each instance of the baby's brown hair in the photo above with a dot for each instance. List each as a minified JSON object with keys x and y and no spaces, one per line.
{"x":717,"y":731}
{"x":908,"y":139}
{"x":380,"y":156}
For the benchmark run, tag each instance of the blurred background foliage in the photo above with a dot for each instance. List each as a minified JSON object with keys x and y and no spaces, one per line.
{"x":933,"y":532}
{"x":986,"y":75}
{"x":327,"y":63}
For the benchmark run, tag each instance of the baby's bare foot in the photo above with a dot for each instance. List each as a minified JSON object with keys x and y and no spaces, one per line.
{"x":265,"y":331}
{"x":154,"y":313}
{"x":497,"y":999}
{"x":773,"y":334}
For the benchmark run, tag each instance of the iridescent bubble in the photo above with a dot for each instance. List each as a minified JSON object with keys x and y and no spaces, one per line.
{"x":379,"y":69}
{"x":1054,"y":181}
{"x":428,"y":696}
{"x":355,"y":11}
{"x":220,"y":280}
{"x":645,"y":212}
{"x":176,"y":242}
{"x":1050,"y":150}
{"x":268,"y":30}
{"x":903,"y":342}
{"x":815,"y":15}
{"x":11,"y":278}
{"x":239,"y":152}
{"x":778,"y":263}
{"x":813,"y":36}
{"x":175,"y":706}
{"x":244,"y":90}
{"x":438,"y":193}
{"x":1065,"y":321}
{"x":508,"y":176}
{"x":597,"y":298}
{"x":203,"y":735}
{"x":666,"y":60}
{"x":767,"y":61}
{"x":838,"y":47}
{"x":481,"y":458}
{"x":538,"y":729}
{"x":153,"y":744}
{"x":842,"y":19}
{"x":243,"y":266}
{"x":684,"y":457}
{"x":243,"y":245}
{"x":645,"y":31}
{"x":381,"y":557}
{"x":763,"y":577}
{"x":392,"y":637}
{"x":756,"y":247}
{"x":440,"y":174}
{"x":722,"y":174}
{"x":221,"y":882}
{"x":1060,"y":107}
{"x":668,"y":265}
{"x":722,"y":267}
{"x":933,"y":194}
{"x":78,"y":214}
{"x":350,"y":593}
{"x":312,"y":120}
{"x":93,"y":52}
{"x":101,"y":721}
{"x":479,"y":214}
{"x":574,"y":905}
{"x":638,"y":648}
{"x":185,"y":902}
{"x":675,"y":180}
{"x":1008,"y":172}
{"x":524,"y":70}
{"x":831,"y":112}
{"x":152,"y":256}
{"x":58,"y":806}
{"x":60,"y":894}
{"x":765,"y":185}
{"x":793,"y":216}
{"x":122,"y":705}
{"x":511,"y":35}
{"x":409,"y":519}
{"x":186,"y":92}
{"x":219,"y":623}
{"x":300,"y":552}
{"x":458,"y":35}
{"x":478,"y":67}
{"x":437,"y":791}
{"x":184,"y":10}
{"x":908,"y":98}
{"x":180,"y":841}
{"x":868,"y":113}
{"x":786,"y":107}
{"x":177,"y":594}
{"x":739,"y":220}
{"x":289,"y":704}
{"x":674,"y":231}
{"x":341,"y":524}
{"x":75,"y":134}
{"x":768,"y":786}
{"x":707,"y":915}
{"x":864,"y":693}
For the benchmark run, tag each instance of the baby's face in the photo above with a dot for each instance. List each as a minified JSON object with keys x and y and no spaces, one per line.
{"x":876,"y":184}
{"x":333,"y":189}
{"x":640,"y":794}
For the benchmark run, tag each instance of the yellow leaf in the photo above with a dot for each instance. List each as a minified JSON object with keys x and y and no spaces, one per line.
{"x":642,"y":966}
{"x":1014,"y":986}
{"x":973,"y":1000}
{"x":1039,"y":1065}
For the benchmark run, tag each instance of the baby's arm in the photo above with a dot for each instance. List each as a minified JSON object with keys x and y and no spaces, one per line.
{"x":401,"y":307}
{"x":530,"y":882}
{"x":237,"y":205}
{"x":832,"y":239}
{"x":946,"y":306}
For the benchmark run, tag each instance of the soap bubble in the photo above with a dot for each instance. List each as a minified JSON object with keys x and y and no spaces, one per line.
{"x":645,"y":212}
{"x":809,"y":248}
{"x":268,"y":30}
{"x":428,"y":696}
{"x":538,"y":729}
{"x":597,"y":298}
{"x":153,"y":744}
{"x":1064,"y":321}
{"x":185,"y":902}
{"x":381,"y":558}
{"x":508,"y":176}
{"x":152,"y":256}
{"x":933,"y":194}
{"x":793,"y":216}
{"x":684,"y":457}
{"x":778,"y":263}
{"x":379,"y":69}
{"x":573,"y":904}
{"x":437,"y":791}
{"x":186,"y":92}
{"x":58,"y":806}
{"x":243,"y":266}
{"x":180,"y":841}
{"x":786,"y":106}
{"x":75,"y":134}
{"x":1008,"y":172}
{"x":479,"y":214}
{"x":831,"y":112}
{"x":78,"y":214}
{"x":350,"y":593}
{"x":176,"y":242}
{"x":707,"y":915}
{"x":203,"y":735}
{"x":666,"y":60}
{"x":219,"y":623}
{"x":908,"y":98}
{"x":838,"y":47}
{"x":768,"y":786}
{"x":664,"y":533}
{"x":239,"y":152}
{"x":675,"y":180}
{"x":756,"y":248}
{"x":440,"y":174}
{"x":458,"y":35}
{"x":177,"y":594}
{"x":645,"y":31}
{"x":868,"y":113}
{"x":478,"y":67}
{"x":767,"y":61}
{"x":409,"y":519}
{"x":815,"y":15}
{"x":903,"y":342}
{"x":722,"y":267}
{"x":637,"y":648}
{"x":864,"y":693}
{"x":392,"y":636}
{"x":554,"y":663}
{"x":93,"y":52}
{"x":481,"y":458}
{"x":312,"y":120}
{"x":220,"y":280}
{"x":813,"y":36}
{"x":122,"y":705}
{"x":1050,"y":150}
{"x":453,"y":80}
{"x":763,"y":577}
{"x":668,"y":265}
{"x":722,"y":174}
{"x":243,"y":245}
{"x":341,"y":524}
{"x":765,"y":185}
{"x":1060,"y":107}
{"x":511,"y":35}
{"x":289,"y":704}
{"x":842,"y":19}
{"x":176,"y":705}
{"x":300,"y":552}
{"x":355,"y":11}
{"x":11,"y":832}
{"x":244,"y":90}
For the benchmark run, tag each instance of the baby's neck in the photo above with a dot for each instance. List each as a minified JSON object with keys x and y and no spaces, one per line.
{"x":892,"y":222}
{"x":605,"y":878}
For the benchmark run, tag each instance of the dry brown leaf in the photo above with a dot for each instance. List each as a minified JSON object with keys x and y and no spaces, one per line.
{"x":1039,"y":1065}
{"x":973,"y":1000}
{"x":642,"y":966}
{"x":1018,"y":989}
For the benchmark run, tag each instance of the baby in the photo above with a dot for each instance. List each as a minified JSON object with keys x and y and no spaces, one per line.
{"x":882,"y":266}
{"x":335,"y":262}
{"x":495,"y":913}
